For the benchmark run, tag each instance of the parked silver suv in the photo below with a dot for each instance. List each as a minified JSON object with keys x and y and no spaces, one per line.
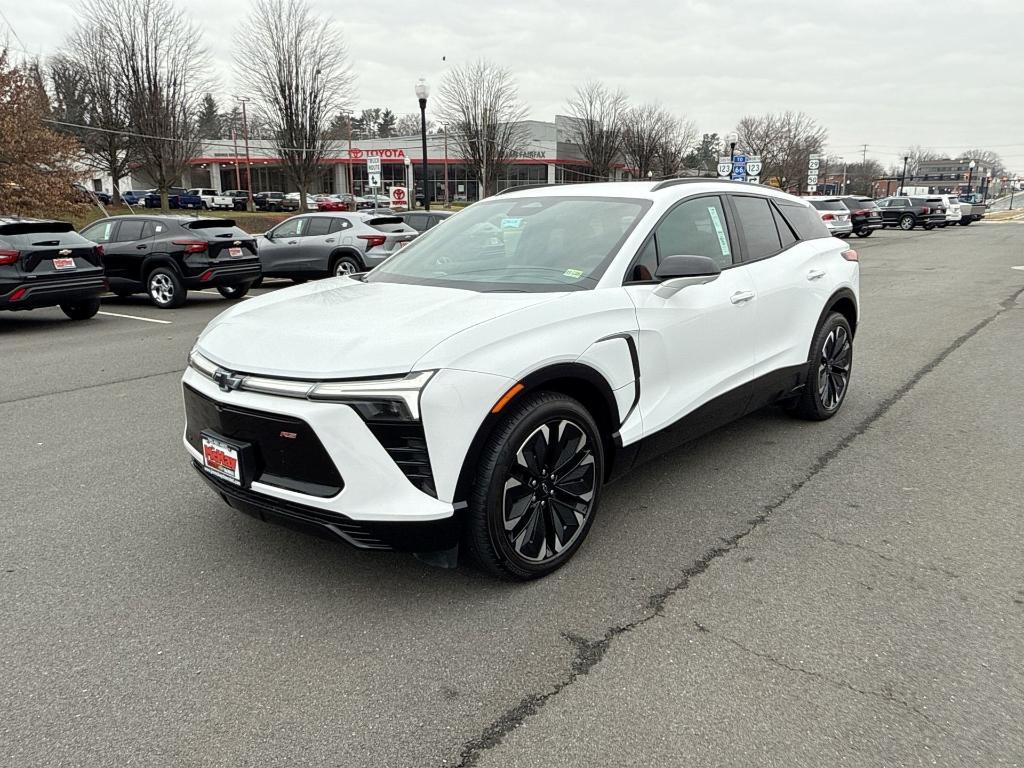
{"x":323,"y":244}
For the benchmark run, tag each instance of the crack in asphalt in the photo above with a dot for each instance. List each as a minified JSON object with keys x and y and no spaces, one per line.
{"x":882,"y":693}
{"x":86,"y":387}
{"x":883,"y":556}
{"x":588,"y":653}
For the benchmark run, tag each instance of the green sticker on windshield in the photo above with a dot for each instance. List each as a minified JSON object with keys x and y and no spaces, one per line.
{"x":511,"y":223}
{"x":575,"y":274}
{"x":723,"y":241}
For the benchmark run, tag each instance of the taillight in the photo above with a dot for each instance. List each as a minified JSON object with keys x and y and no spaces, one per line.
{"x":17,"y":294}
{"x":9,"y":257}
{"x":98,"y":250}
{"x":192,"y":246}
{"x":206,"y":276}
{"x":864,"y":212}
{"x":373,"y":241}
{"x":926,"y":210}
{"x":827,"y":217}
{"x":851,"y":255}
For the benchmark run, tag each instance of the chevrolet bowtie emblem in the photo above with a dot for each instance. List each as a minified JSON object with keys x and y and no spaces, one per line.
{"x":226,"y":380}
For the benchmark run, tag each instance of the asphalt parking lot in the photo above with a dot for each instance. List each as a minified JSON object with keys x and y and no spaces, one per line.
{"x":776,"y":593}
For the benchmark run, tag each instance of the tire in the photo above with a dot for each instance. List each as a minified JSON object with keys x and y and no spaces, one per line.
{"x":964,"y":223}
{"x":929,"y":226}
{"x":121,"y":293}
{"x":515,"y":459}
{"x":863,"y":233}
{"x":234,"y":292}
{"x":257,"y":282}
{"x":298,"y":280}
{"x":823,"y":397}
{"x":165,"y":288}
{"x":907,"y":223}
{"x":81,"y":310}
{"x":203,"y":205}
{"x":345,"y":265}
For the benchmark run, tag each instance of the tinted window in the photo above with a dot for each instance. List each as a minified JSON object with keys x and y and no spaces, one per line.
{"x":758,"y":227}
{"x":100,"y":232}
{"x":27,"y":240}
{"x":151,"y":228}
{"x":828,"y":205}
{"x":805,"y":220}
{"x":129,"y":230}
{"x":416,"y":221}
{"x":646,"y":262}
{"x":696,"y":228}
{"x":786,"y":233}
{"x":338,"y":223}
{"x":320,"y":225}
{"x":859,"y":205}
{"x":291,"y":228}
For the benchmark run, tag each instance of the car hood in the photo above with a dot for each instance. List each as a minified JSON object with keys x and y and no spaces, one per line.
{"x":342,"y":327}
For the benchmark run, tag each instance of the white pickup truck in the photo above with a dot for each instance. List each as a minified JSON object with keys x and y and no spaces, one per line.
{"x":213,"y":199}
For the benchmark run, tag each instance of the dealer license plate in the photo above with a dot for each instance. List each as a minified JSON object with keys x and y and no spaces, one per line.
{"x":63,"y":263}
{"x":235,"y":253}
{"x":221,"y":460}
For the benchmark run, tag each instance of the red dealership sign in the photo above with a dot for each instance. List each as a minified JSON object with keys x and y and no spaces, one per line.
{"x":384,"y":154}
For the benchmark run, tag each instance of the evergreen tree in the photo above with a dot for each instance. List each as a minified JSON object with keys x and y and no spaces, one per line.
{"x":208,"y":124}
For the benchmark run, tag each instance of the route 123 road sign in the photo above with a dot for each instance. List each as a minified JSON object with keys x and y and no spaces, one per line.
{"x":724,"y":166}
{"x":754,"y":165}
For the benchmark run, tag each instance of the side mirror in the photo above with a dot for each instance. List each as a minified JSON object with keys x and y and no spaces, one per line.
{"x":678,"y":272}
{"x":269,"y":234}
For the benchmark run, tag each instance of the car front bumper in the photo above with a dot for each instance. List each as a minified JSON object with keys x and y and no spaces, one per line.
{"x":377,"y":505}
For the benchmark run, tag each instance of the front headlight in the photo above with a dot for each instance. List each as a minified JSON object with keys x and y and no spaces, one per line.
{"x":393,"y":399}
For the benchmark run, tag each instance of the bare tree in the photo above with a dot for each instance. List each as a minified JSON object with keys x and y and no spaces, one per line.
{"x":784,"y":141}
{"x":409,"y":125}
{"x":87,"y":92}
{"x":597,"y":125}
{"x":985,"y":158}
{"x":679,"y":139}
{"x":480,"y":103}
{"x":296,"y":68}
{"x":158,"y":73}
{"x":645,"y":130}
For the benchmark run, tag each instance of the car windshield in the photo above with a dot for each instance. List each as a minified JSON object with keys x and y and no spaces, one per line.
{"x":519,"y":244}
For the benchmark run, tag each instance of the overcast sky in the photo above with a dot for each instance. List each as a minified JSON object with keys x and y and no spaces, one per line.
{"x":945,"y":74}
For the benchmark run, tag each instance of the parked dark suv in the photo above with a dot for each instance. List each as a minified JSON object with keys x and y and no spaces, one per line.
{"x":909,"y":212}
{"x":164,"y":256}
{"x":48,"y":264}
{"x":865,"y":215}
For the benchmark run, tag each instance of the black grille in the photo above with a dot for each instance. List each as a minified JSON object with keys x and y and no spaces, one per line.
{"x":287,"y":451}
{"x":407,"y":446}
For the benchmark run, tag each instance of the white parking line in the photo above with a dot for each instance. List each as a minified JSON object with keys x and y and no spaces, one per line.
{"x":215,"y":293}
{"x":1020,"y":267}
{"x":135,"y":317}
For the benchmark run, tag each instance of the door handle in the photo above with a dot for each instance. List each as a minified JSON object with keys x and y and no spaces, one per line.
{"x":142,"y":247}
{"x":292,"y":242}
{"x":329,"y":240}
{"x":741,"y":296}
{"x":814,"y":274}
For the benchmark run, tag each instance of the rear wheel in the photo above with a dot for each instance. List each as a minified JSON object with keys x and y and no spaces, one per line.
{"x":929,"y":226}
{"x":965,"y":222}
{"x":121,"y":293}
{"x":827,"y":378}
{"x":907,"y":223}
{"x":165,"y":288}
{"x":864,"y":232}
{"x":81,"y":310}
{"x":537,"y":488}
{"x":234,"y":292}
{"x":345,"y":265}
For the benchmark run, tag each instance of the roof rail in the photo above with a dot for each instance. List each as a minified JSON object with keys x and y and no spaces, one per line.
{"x":688,"y":180}
{"x":528,"y":186}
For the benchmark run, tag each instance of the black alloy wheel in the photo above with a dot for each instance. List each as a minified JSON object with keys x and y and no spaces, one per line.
{"x":827,"y":378}
{"x":537,"y":488}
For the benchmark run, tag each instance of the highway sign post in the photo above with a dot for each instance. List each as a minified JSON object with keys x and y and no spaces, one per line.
{"x":812,"y":173}
{"x":724,"y":167}
{"x":373,"y":173}
{"x":754,"y":169}
{"x":739,"y":167}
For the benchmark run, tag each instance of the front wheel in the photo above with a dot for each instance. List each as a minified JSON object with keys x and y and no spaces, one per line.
{"x":907,"y":223}
{"x":965,"y":222}
{"x":929,"y":226}
{"x":864,"y":232}
{"x":234,"y":292}
{"x":827,"y":378}
{"x":537,"y":488}
{"x":81,"y":310}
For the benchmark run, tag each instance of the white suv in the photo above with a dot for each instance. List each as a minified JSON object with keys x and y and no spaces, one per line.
{"x":477,"y":389}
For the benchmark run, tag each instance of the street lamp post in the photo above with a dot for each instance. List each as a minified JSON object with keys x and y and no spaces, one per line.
{"x":422,"y":91}
{"x":844,"y":175}
{"x":970,"y":176}
{"x":248,"y":160}
{"x":903,"y":178}
{"x":732,"y":138}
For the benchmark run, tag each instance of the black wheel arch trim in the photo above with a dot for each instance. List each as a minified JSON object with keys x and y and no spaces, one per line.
{"x":345,"y":250}
{"x":533,"y":382}
{"x":843,"y":294}
{"x":155,"y":260}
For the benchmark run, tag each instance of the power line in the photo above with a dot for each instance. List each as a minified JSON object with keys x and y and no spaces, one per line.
{"x":13,"y":30}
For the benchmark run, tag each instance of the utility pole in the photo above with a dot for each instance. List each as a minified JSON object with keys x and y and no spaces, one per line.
{"x":903,"y":178}
{"x":864,"y":155}
{"x":447,"y":204}
{"x":238,"y":165}
{"x":351,"y":187}
{"x":248,"y":160}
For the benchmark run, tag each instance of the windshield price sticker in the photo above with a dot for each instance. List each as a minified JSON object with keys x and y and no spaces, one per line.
{"x":575,"y":274}
{"x":723,"y":241}
{"x":511,"y":223}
